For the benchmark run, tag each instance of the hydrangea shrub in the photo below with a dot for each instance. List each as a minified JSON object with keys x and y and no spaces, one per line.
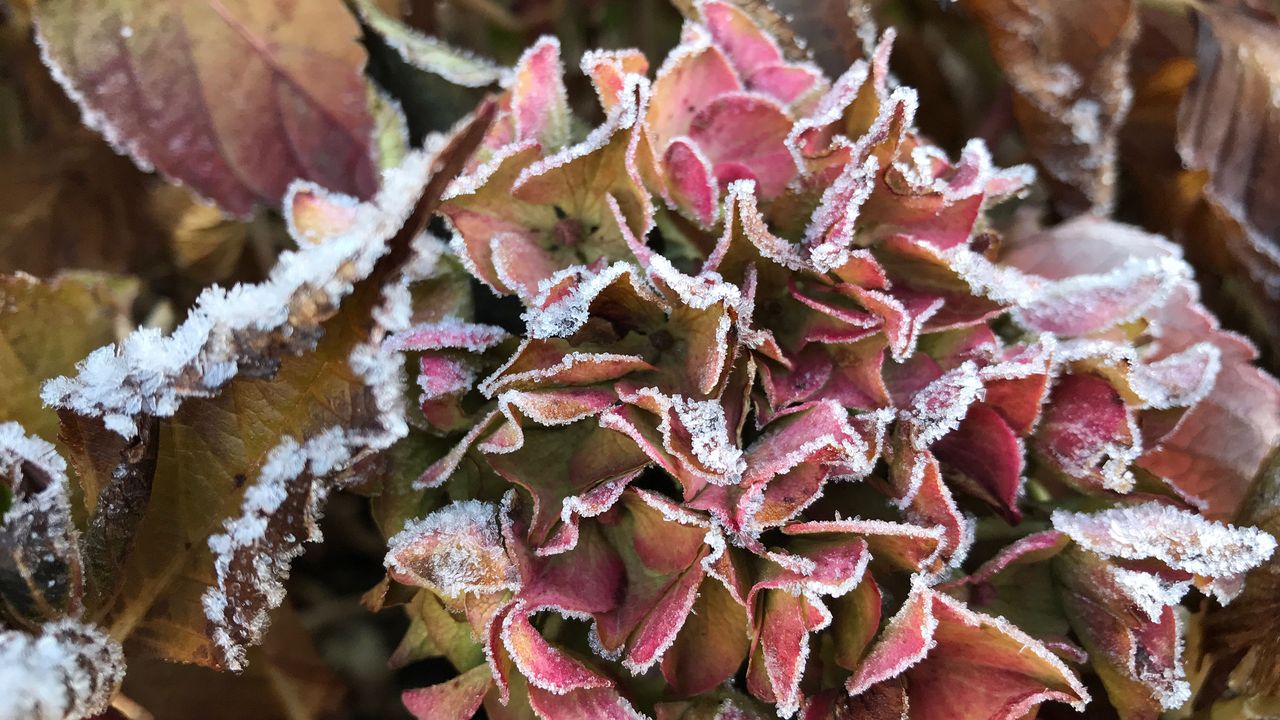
{"x":790,"y":428}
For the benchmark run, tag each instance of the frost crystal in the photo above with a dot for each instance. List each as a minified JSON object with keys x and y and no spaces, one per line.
{"x":69,"y":671}
{"x":279,"y":513}
{"x":242,"y":329}
{"x":1178,"y":538}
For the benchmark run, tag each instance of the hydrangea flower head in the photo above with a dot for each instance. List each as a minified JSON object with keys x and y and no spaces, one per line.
{"x":790,"y":429}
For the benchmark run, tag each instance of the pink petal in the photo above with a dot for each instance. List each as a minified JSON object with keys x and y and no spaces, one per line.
{"x":449,"y":334}
{"x":685,"y":83}
{"x":652,"y":639}
{"x":983,"y":667}
{"x":315,"y":216}
{"x":784,"y":82}
{"x":911,"y":547}
{"x":543,"y":665}
{"x":744,"y":136}
{"x":985,"y":457}
{"x":691,"y":180}
{"x":905,"y":641}
{"x":592,"y":704}
{"x":746,"y":44}
{"x":783,"y":638}
{"x":608,"y":69}
{"x":1087,"y":434}
{"x":539,"y":101}
{"x":1018,"y":386}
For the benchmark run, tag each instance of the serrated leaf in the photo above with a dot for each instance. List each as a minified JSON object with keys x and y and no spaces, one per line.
{"x":255,"y":456}
{"x":235,"y":98}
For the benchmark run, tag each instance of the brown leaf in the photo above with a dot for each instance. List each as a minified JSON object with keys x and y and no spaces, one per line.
{"x":235,"y":98}
{"x":39,"y":560}
{"x":118,"y":508}
{"x":1229,"y":125}
{"x":241,"y":470}
{"x":1067,"y":67}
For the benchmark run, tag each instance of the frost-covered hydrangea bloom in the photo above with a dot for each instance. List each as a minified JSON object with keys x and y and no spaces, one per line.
{"x":782,"y":395}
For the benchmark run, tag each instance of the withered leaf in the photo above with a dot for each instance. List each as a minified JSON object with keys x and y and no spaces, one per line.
{"x":286,"y":680}
{"x":1229,"y":125}
{"x":235,"y":98}
{"x":1247,"y":628}
{"x":120,"y":505}
{"x":1068,"y":70}
{"x":39,"y":560}
{"x":241,"y":470}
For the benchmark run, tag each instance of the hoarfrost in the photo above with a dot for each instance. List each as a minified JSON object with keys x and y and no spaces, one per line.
{"x":1148,"y":591}
{"x":69,"y":671}
{"x":241,"y":329}
{"x":252,"y":555}
{"x":564,"y":316}
{"x":1181,"y":539}
{"x":941,"y":405}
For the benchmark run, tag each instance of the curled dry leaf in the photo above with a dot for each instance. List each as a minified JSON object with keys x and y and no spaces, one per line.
{"x":1238,"y":59}
{"x":1068,"y":69}
{"x":235,"y":98}
{"x":39,"y":559}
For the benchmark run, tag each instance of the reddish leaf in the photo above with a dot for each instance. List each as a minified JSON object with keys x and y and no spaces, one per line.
{"x":1088,"y":433}
{"x":235,"y":98}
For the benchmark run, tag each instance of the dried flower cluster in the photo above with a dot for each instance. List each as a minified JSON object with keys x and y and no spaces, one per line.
{"x":786,"y":409}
